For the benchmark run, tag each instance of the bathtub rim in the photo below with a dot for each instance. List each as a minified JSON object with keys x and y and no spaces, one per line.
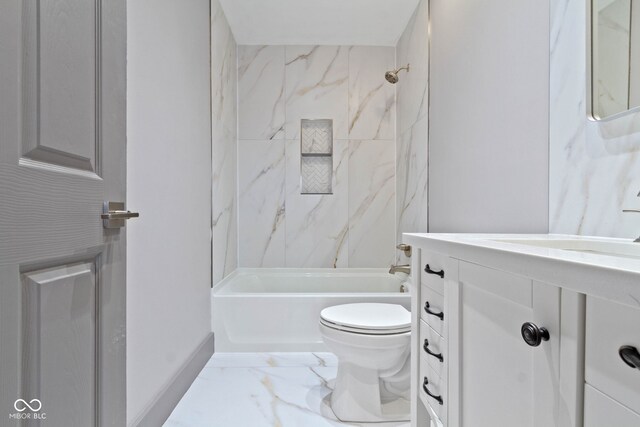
{"x":215,"y":290}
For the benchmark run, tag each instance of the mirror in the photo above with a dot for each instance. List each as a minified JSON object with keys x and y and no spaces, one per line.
{"x":615,"y":57}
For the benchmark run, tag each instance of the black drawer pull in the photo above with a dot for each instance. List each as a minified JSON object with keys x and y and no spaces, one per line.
{"x":425,"y":347}
{"x":426,"y":390}
{"x":630,"y":356}
{"x":433,"y":313}
{"x":428,"y":270}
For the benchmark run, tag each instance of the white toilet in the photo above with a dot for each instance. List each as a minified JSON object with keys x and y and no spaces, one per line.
{"x":372,"y":343}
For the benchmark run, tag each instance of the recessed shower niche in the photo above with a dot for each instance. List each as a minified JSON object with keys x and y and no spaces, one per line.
{"x":316,"y":156}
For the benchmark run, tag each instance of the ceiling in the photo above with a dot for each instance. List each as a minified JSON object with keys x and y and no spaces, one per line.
{"x":323,"y":22}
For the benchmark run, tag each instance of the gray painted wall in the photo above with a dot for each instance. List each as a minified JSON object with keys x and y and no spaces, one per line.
{"x":488,"y":117}
{"x":169,"y":183}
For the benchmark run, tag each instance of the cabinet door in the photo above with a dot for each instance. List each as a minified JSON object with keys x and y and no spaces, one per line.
{"x":601,"y":410}
{"x":503,"y":380}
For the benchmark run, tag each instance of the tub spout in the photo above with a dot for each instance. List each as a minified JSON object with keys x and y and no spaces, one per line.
{"x":405,"y":268}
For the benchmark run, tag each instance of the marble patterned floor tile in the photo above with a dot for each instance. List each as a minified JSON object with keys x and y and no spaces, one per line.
{"x":283,"y":396}
{"x":253,"y":397}
{"x":272,"y":360}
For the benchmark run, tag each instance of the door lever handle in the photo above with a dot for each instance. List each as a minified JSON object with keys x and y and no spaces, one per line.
{"x":119,"y":215}
{"x":114,"y":215}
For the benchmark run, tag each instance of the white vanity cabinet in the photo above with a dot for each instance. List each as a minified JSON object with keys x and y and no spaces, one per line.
{"x":613,"y":386}
{"x":496,"y":343}
{"x":496,"y":379}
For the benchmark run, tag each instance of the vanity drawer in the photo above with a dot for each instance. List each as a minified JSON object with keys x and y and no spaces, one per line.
{"x":431,"y":309}
{"x":610,"y":327}
{"x":432,"y":349}
{"x":600,"y":410}
{"x":432,"y":390}
{"x":433,"y":270}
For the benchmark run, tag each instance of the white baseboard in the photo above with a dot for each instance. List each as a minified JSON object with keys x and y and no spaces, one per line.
{"x":160,"y":409}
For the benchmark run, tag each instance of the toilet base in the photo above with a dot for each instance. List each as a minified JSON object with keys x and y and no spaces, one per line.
{"x":356,"y":397}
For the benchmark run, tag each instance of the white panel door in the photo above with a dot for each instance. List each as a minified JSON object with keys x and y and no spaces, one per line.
{"x":62,"y":154}
{"x":503,"y":380}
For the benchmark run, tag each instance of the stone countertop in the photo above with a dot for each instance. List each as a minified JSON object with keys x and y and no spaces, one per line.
{"x":566,"y":261}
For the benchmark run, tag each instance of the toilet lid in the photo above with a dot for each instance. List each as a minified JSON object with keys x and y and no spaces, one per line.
{"x":365,"y":317}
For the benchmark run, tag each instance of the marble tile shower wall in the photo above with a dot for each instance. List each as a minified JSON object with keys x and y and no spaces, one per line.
{"x":594,"y":166}
{"x":224,"y":144}
{"x":412,"y":126}
{"x":277,"y":87}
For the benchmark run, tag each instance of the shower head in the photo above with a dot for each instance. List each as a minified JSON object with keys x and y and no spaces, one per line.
{"x":392,"y":76}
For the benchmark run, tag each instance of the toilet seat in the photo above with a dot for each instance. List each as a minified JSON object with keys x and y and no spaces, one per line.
{"x":367,"y":318}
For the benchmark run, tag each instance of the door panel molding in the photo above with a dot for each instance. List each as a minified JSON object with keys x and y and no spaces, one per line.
{"x":59,"y":319}
{"x":61,"y":82}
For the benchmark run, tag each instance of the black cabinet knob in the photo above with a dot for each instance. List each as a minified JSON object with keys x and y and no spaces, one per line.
{"x":533,"y":335}
{"x":630,"y":356}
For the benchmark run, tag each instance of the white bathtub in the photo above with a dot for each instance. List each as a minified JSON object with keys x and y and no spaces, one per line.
{"x":271,"y":309}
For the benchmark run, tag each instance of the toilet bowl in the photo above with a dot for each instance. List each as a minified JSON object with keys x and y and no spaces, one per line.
{"x":372,"y":343}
